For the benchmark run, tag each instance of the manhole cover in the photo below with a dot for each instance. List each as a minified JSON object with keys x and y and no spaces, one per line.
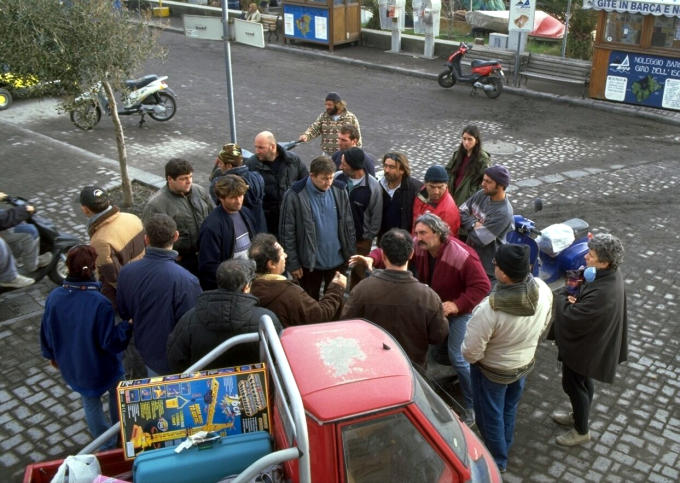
{"x":501,"y":148}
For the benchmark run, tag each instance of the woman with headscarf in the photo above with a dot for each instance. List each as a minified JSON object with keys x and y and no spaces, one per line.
{"x":79,"y":336}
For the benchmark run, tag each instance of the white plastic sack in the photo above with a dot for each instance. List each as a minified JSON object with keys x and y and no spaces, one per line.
{"x":555,"y":238}
{"x":82,"y":468}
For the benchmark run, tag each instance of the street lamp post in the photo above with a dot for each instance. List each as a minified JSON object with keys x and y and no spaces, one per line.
{"x":230,"y":82}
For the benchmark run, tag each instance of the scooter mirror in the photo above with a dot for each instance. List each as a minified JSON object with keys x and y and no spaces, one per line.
{"x":538,"y":204}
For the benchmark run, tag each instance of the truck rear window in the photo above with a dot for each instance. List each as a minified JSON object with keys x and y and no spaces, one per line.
{"x":389,"y":448}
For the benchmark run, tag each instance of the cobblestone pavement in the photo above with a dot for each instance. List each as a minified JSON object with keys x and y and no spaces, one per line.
{"x":618,"y":172}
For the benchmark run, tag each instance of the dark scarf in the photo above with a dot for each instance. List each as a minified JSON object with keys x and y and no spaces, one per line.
{"x":517,"y":298}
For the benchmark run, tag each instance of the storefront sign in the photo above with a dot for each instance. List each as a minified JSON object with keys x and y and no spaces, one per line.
{"x":669,"y":8}
{"x":648,"y":80}
{"x":305,"y":23}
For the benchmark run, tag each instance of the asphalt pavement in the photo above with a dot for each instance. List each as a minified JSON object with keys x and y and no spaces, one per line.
{"x":636,"y":421}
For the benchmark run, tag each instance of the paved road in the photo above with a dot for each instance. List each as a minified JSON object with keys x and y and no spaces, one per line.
{"x":619,"y":173}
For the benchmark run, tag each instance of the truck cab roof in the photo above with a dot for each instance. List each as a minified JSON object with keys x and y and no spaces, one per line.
{"x":347,"y":368}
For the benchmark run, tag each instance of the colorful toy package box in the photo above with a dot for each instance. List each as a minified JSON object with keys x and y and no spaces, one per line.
{"x":162,"y":411}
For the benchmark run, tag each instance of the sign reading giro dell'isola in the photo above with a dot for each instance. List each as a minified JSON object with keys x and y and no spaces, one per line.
{"x":647,"y":80}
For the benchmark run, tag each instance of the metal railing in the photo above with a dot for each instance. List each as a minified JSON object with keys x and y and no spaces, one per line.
{"x":293,"y":412}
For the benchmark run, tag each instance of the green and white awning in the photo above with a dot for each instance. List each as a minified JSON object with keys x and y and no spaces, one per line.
{"x":669,"y":8}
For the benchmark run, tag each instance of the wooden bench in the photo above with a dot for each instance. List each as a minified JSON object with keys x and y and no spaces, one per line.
{"x":557,"y":69}
{"x":271,"y":25}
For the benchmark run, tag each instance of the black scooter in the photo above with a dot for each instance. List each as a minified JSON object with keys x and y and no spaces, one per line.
{"x":51,"y":240}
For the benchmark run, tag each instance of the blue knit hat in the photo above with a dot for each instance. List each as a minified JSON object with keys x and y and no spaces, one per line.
{"x":436,"y":174}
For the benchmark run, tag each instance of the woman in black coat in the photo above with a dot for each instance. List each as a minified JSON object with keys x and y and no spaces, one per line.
{"x":590,"y":330}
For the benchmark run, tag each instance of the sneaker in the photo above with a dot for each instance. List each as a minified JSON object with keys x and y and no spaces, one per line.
{"x":44,"y":259}
{"x":572,"y":438}
{"x":565,"y":418}
{"x":18,"y":282}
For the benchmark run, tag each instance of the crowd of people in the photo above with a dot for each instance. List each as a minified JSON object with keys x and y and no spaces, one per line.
{"x":270,"y":236}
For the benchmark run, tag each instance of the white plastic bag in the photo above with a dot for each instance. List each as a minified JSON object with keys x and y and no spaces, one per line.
{"x":555,"y":238}
{"x":82,"y":468}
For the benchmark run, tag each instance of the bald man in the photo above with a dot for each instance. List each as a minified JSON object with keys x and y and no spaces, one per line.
{"x":279,"y":169}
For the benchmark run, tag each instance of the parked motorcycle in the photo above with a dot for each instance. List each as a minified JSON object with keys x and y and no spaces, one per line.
{"x":51,"y":240}
{"x":148,"y":95}
{"x":556,"y":252}
{"x":486,"y":74}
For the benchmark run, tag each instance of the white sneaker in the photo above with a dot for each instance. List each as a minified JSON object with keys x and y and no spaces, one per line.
{"x":572,"y":438}
{"x":44,"y":259}
{"x":18,"y":282}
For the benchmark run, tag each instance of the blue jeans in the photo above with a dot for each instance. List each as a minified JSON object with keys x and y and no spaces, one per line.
{"x":96,"y":419}
{"x":457,"y":328}
{"x":495,"y":411}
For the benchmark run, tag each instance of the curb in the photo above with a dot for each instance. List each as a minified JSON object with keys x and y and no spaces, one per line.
{"x":137,"y":174}
{"x":590,"y":103}
{"x":627,"y":110}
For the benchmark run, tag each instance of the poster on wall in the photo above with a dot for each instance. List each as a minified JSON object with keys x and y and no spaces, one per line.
{"x":306,"y":23}
{"x":647,"y":80}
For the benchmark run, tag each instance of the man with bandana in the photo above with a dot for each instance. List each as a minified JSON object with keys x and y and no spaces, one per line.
{"x":329,"y":122}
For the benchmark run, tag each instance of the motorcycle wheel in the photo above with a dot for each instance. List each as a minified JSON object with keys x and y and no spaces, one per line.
{"x":497,"y":84}
{"x":5,"y":99}
{"x":86,"y":115}
{"x":446,"y":79}
{"x":165,"y":100}
{"x":59,"y":270}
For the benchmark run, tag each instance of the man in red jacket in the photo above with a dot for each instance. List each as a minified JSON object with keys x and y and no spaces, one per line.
{"x":435,"y":198}
{"x":453,"y":270}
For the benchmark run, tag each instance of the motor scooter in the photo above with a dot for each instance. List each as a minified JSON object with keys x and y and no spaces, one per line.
{"x":51,"y":240}
{"x":148,"y":95}
{"x":486,"y":74}
{"x":556,"y":252}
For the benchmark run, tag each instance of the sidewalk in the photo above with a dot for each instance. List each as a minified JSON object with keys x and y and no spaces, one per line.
{"x":416,"y":66}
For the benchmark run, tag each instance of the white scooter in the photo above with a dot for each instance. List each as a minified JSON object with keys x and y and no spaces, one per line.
{"x":147,"y":95}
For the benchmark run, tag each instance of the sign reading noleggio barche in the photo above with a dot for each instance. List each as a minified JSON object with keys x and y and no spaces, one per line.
{"x":648,"y":80}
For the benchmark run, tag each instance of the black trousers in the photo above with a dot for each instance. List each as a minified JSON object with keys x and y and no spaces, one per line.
{"x":579,"y":388}
{"x":311,"y":279}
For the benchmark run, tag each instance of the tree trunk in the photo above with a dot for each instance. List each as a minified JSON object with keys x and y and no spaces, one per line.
{"x":126,"y":185}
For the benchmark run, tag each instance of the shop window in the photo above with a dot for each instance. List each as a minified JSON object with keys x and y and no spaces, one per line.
{"x":623,"y":28}
{"x":666,"y":32}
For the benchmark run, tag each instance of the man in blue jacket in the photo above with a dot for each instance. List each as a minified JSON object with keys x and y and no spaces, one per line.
{"x":227,"y":231}
{"x":317,"y":229}
{"x":155,"y":292}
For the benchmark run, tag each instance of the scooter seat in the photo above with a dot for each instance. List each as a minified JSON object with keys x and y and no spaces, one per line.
{"x":141,"y":82}
{"x":483,"y":63}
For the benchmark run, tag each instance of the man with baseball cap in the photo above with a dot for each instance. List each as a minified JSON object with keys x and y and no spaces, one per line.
{"x":329,"y":122}
{"x":435,"y":198}
{"x":500,"y":344}
{"x":117,"y":237}
{"x":487,"y":216}
{"x":230,"y":161}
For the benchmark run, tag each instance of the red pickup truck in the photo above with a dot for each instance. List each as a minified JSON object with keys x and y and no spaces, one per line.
{"x":347,"y":406}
